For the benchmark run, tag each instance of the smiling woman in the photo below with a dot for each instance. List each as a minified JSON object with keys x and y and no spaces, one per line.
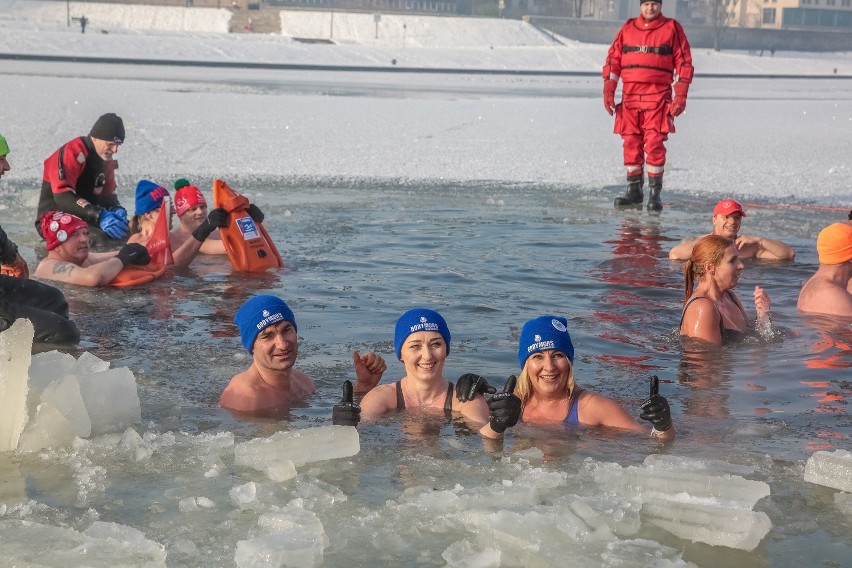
{"x":712,"y":311}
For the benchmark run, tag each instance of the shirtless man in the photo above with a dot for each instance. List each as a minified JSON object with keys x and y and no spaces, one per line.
{"x":272,"y":383}
{"x":827,"y":291}
{"x":69,"y":260}
{"x":191,"y":209}
{"x":727,"y":217}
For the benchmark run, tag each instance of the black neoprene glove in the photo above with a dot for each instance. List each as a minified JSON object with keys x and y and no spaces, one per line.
{"x":656,"y":409}
{"x":505,"y":407}
{"x":216,"y":219}
{"x":134,"y":253}
{"x":8,"y":249}
{"x":471,"y":384}
{"x":255,"y":213}
{"x":346,"y":412}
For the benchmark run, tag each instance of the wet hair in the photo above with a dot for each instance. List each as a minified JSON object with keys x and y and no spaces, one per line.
{"x":707,"y":249}
{"x":136,"y":224}
{"x":524,"y":388}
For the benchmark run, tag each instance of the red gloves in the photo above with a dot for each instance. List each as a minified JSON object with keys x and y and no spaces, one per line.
{"x":609,"y":94}
{"x":679,"y":103}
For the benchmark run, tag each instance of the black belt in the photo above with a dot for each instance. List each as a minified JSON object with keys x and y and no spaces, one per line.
{"x":662,"y":50}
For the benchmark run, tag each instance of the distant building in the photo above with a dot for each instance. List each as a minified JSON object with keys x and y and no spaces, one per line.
{"x":807,"y":14}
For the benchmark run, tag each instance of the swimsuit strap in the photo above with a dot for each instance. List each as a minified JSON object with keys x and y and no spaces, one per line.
{"x":400,"y":399}
{"x":573,"y":417}
{"x":448,"y":402}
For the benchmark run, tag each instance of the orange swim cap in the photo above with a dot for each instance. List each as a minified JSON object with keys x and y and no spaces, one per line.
{"x":834,"y":244}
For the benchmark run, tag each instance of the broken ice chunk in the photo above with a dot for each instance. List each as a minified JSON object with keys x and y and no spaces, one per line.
{"x":15,"y":353}
{"x":832,"y":469}
{"x":299,"y":446}
{"x":111,"y":399}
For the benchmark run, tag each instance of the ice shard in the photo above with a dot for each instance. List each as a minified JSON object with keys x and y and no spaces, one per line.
{"x":16,"y":345}
{"x":299,"y":447}
{"x":832,"y":469}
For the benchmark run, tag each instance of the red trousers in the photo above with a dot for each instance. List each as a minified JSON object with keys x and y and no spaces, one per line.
{"x":644,"y":123}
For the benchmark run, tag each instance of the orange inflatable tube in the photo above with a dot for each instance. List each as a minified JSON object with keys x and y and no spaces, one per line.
{"x":247,"y":243}
{"x":160,"y":251}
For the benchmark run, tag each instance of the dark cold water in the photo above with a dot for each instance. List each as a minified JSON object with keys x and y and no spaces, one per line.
{"x":488,"y":258}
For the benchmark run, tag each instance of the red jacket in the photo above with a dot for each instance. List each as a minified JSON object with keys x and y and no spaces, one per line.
{"x":648,"y":56}
{"x":85,"y":182}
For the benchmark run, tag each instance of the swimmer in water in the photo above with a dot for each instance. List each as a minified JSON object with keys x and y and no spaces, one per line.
{"x":828,"y":290}
{"x":712,"y":311}
{"x":550,"y":395}
{"x":727,"y":219}
{"x":422,"y":343}
{"x":272,"y":382}
{"x":69,"y":259}
{"x":149,"y":198}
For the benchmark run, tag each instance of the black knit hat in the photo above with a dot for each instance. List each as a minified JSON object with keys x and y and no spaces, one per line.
{"x":109,"y":127}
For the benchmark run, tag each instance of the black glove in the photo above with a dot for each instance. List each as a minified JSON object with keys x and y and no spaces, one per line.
{"x":346,"y":412}
{"x":134,"y":253}
{"x":656,"y":409}
{"x":8,"y":249}
{"x":470,"y":384}
{"x":216,"y":219}
{"x":255,"y":213}
{"x":505,"y":407}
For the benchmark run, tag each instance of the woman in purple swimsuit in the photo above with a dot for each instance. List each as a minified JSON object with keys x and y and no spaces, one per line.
{"x":549,"y":394}
{"x":712,"y":311}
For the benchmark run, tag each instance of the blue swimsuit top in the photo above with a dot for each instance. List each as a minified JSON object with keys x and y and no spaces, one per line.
{"x":573,"y":418}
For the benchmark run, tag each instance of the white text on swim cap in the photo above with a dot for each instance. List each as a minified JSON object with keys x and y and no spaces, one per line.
{"x":424,"y":326}
{"x":274,"y":318}
{"x":542,"y":346}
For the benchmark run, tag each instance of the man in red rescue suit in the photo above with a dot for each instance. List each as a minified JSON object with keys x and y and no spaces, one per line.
{"x":648,"y":53}
{"x":79,"y":178}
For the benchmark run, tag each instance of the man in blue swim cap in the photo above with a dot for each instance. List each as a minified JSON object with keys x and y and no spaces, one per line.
{"x":272,"y":383}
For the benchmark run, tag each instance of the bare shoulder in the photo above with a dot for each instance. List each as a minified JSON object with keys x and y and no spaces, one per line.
{"x":380,"y":399}
{"x":240,"y":389}
{"x":177,"y":238}
{"x":135,"y":238}
{"x":53,"y":269}
{"x":820,"y":295}
{"x":301,"y":385}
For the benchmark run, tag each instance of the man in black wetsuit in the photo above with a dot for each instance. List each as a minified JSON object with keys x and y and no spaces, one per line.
{"x":79,"y":178}
{"x":20,"y":297}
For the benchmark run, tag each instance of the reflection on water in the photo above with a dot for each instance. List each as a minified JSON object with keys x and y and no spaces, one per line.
{"x":357,"y":257}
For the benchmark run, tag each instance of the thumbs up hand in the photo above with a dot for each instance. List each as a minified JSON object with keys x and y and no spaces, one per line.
{"x":505,"y":407}
{"x":656,"y":409}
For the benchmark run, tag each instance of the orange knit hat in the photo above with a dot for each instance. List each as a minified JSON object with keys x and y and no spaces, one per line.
{"x":834,"y":244}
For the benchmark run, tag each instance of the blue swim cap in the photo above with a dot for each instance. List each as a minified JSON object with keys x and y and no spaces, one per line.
{"x":419,"y":319}
{"x":543,"y":334}
{"x":149,"y":196}
{"x":257,"y":314}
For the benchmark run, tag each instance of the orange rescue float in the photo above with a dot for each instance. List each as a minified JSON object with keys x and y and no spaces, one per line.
{"x":247,"y":243}
{"x":160,"y":251}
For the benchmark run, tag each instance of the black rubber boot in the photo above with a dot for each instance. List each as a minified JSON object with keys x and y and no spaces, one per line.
{"x":634,"y":195}
{"x":655,"y":184}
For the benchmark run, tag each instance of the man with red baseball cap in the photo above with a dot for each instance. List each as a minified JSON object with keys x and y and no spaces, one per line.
{"x":69,"y":260}
{"x":727,"y":217}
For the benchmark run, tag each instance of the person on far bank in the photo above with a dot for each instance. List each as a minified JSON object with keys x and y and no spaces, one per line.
{"x":272,"y":382}
{"x":828,"y":290}
{"x":22,"y":298}
{"x":649,"y":53}
{"x":79,"y":178}
{"x":69,"y":260}
{"x":727,"y":220}
{"x":712,"y":311}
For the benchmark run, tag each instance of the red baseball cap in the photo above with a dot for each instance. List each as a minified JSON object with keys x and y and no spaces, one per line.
{"x":728,"y":206}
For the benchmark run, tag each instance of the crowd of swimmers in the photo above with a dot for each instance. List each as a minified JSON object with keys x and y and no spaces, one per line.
{"x":79,"y":207}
